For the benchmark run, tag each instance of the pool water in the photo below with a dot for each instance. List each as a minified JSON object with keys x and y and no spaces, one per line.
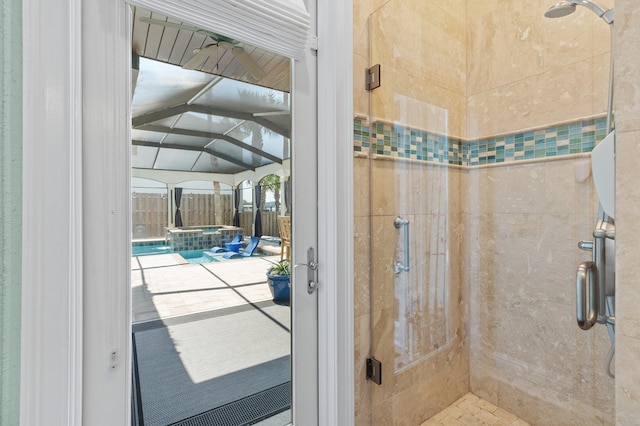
{"x":149,"y":250}
{"x":210,"y":230}
{"x":191,"y":256}
{"x":197,"y":256}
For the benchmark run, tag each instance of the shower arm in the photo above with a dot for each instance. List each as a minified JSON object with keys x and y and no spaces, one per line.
{"x":603,"y":13}
{"x":607,"y":16}
{"x":610,"y":99}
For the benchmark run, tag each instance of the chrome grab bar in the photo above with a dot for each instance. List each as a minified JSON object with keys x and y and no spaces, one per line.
{"x":587,"y":295}
{"x":398,"y":267}
{"x":595,"y":283}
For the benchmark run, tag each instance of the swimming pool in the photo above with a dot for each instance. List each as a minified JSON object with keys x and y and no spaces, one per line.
{"x":149,"y":250}
{"x":191,"y":256}
{"x":197,"y":256}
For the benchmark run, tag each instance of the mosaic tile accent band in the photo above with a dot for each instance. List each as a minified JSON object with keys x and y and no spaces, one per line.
{"x":398,"y":141}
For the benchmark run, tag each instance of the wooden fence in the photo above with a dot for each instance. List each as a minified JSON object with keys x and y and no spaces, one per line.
{"x":149,"y":214}
{"x":206,"y":209}
{"x":269,"y":223}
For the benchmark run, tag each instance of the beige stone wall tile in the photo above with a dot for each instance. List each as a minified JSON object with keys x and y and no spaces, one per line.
{"x":523,"y":256}
{"x":422,"y":106}
{"x":627,"y":217}
{"x":383,"y":414}
{"x":508,"y":189}
{"x":574,"y":37}
{"x":564,"y":193}
{"x":458,"y":288}
{"x":417,"y":404}
{"x":362,"y":387}
{"x":542,"y":187}
{"x":426,"y":39}
{"x":385,"y":245}
{"x":453,"y":365}
{"x":361,"y":187}
{"x":547,"y":408}
{"x":391,"y":186}
{"x":361,"y":12}
{"x":383,"y":351}
{"x":476,"y":10}
{"x":456,"y":190}
{"x":537,"y":101}
{"x":426,"y":46}
{"x":426,"y":187}
{"x":519,"y":63}
{"x":362,"y":265}
{"x":536,"y":404}
{"x":534,"y":255}
{"x":627,"y":214}
{"x":456,"y":9}
{"x":361,"y":96}
{"x":482,"y":381}
{"x":431,"y":190}
{"x":627,"y":233}
{"x":627,"y":72}
{"x":443,"y":381}
{"x":600,"y":84}
{"x":362,"y":9}
{"x":504,"y":45}
{"x":627,"y":380}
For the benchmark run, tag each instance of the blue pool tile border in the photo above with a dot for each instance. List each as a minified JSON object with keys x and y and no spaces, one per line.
{"x":397,"y":141}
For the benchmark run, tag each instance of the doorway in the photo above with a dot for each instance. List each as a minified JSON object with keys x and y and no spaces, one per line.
{"x":88,"y":70}
{"x":211,"y":331}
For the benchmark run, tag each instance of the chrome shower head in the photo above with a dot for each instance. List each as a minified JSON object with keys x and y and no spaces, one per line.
{"x":567,"y":7}
{"x":559,"y":10}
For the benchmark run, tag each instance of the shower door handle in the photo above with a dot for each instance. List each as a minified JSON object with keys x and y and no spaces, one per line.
{"x":587,"y":295}
{"x":400,"y":266}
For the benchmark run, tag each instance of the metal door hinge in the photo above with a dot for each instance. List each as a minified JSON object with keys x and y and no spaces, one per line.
{"x":374,"y":371}
{"x":372,"y":77}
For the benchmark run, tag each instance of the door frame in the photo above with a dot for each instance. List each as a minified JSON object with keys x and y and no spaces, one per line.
{"x":65,"y":359}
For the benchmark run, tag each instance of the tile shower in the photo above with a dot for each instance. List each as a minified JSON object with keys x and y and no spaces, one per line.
{"x":479,"y":153}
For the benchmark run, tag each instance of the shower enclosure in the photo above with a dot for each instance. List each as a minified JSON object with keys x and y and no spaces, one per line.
{"x":470,"y":198}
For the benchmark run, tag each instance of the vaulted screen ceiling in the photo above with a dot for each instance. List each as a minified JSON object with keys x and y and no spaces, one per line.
{"x":227,"y":115}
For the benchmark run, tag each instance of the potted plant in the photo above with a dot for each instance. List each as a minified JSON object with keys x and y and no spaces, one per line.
{"x":278,"y":278}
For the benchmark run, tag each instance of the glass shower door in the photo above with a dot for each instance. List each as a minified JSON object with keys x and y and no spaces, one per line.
{"x":414,"y":150}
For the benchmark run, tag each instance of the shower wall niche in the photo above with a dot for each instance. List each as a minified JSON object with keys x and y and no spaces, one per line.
{"x":483,"y":112}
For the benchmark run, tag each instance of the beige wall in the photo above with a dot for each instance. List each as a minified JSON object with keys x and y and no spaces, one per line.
{"x":527,"y":354}
{"x":524,"y":220}
{"x":439,"y":372}
{"x":481,"y":69}
{"x":525,"y":70}
{"x":627,"y":105}
{"x":425,"y":46}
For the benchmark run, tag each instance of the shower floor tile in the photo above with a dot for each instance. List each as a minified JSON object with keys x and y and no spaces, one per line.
{"x":473,"y":411}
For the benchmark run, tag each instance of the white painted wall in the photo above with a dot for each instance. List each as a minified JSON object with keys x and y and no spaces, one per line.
{"x":10,"y":210}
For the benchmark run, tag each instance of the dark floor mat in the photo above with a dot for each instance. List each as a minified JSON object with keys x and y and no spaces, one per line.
{"x":246,"y":411}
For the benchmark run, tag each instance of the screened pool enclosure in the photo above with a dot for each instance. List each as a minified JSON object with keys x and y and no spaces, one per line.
{"x":210,"y":135}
